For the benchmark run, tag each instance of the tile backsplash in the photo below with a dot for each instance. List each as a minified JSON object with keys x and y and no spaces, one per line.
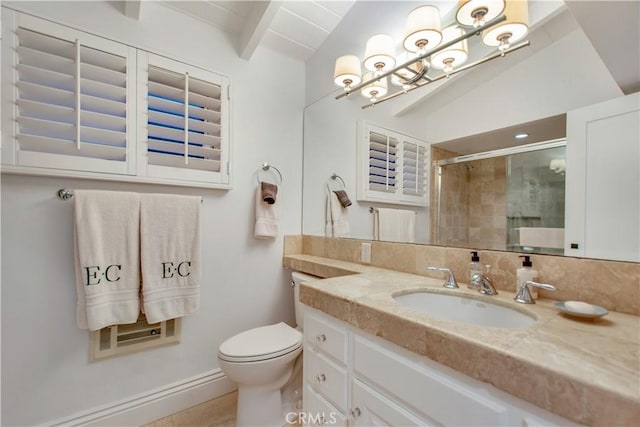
{"x":614,"y":285}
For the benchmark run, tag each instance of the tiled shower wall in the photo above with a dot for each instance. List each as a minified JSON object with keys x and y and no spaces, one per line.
{"x":614,"y":285}
{"x":472,"y":202}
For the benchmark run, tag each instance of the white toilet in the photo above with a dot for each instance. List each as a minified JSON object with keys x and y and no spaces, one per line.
{"x":261,"y":362}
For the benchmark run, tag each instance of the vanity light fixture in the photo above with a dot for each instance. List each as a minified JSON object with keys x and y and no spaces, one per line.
{"x":521,"y":135}
{"x":454,"y":55}
{"x":380,"y":54}
{"x":423,"y":29}
{"x":427,"y":47}
{"x":513,"y":29}
{"x":476,"y":13}
{"x":347,"y":71}
{"x":375,"y":88}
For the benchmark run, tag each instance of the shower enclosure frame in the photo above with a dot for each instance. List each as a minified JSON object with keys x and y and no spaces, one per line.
{"x":518,"y":149}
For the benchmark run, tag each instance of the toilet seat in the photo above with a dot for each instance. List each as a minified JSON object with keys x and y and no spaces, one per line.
{"x":263,"y":343}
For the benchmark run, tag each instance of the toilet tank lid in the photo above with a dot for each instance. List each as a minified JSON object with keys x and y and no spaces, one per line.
{"x":298,"y":277}
{"x":261,"y":341}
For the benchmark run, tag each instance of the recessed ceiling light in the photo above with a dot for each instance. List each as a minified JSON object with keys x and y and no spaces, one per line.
{"x":521,"y":135}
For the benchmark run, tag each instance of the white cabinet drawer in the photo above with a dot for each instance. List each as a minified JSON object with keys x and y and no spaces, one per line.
{"x":326,"y":377}
{"x":370,"y":408}
{"x":326,"y":336}
{"x":438,"y":397}
{"x":319,"y":412}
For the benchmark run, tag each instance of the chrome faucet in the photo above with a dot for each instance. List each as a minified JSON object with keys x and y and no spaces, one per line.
{"x":450,"y":280}
{"x":482,"y":284}
{"x":523,"y":295}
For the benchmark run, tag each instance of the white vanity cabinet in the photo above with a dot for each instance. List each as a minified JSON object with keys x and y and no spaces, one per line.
{"x":356,"y":379}
{"x":325,"y":376}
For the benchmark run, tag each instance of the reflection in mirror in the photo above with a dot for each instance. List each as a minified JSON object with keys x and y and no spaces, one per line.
{"x":479,"y":111}
{"x":510,"y":199}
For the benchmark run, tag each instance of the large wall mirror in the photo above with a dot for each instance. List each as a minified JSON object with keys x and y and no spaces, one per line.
{"x":471,"y":120}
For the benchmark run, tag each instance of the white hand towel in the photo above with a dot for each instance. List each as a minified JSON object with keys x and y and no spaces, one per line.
{"x":267,"y":217}
{"x":107,"y":248}
{"x":170,"y":255}
{"x":337,"y":222}
{"x":395,"y":225}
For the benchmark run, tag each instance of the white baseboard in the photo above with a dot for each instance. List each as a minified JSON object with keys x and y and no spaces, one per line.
{"x":149,"y":406}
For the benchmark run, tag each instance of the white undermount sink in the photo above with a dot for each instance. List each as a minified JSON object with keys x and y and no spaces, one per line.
{"x":463,"y":308}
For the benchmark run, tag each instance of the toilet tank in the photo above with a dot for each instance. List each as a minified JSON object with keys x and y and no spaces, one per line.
{"x":296,"y":279}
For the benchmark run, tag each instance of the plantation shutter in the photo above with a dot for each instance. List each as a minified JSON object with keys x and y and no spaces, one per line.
{"x":71,"y":100}
{"x":414,"y":166}
{"x":186,"y":122}
{"x":392,"y":167}
{"x":382,"y":162}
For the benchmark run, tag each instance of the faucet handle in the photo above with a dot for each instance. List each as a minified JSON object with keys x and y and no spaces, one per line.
{"x":524,"y":296}
{"x":450,"y":281}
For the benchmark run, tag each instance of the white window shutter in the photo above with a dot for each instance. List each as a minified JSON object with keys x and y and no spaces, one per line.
{"x":186,"y":122}
{"x":382,"y":162}
{"x":415,"y":164}
{"x":392,"y":167}
{"x":71,"y":99}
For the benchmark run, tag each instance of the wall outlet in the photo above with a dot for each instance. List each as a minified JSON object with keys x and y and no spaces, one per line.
{"x":365,"y":253}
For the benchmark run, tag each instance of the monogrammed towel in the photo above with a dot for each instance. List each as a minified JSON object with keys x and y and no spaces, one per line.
{"x":107,"y":248}
{"x":169,"y":255}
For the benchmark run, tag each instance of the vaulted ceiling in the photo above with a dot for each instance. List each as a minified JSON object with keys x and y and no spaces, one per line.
{"x":295,"y":28}
{"x":299,"y":28}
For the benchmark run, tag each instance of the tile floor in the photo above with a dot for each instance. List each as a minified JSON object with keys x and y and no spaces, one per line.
{"x":220,"y":412}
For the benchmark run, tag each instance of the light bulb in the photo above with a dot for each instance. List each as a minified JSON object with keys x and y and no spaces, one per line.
{"x":448,"y":65}
{"x":504,"y":42}
{"x":479,"y":17}
{"x":373,"y":94}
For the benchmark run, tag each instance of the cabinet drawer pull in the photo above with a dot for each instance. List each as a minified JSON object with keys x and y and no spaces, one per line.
{"x":321,"y":378}
{"x":355,"y":413}
{"x":321,"y":337}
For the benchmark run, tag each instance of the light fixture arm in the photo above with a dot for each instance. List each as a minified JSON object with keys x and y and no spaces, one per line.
{"x":455,"y":71}
{"x":425,"y":55}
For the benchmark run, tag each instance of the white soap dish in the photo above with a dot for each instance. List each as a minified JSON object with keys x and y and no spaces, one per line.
{"x":580,"y":309}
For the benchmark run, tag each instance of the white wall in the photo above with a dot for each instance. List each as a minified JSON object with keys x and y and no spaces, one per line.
{"x":45,"y":369}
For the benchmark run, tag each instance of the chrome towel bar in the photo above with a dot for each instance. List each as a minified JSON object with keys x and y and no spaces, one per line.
{"x":66,"y":194}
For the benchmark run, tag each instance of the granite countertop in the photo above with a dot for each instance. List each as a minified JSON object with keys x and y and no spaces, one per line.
{"x":585,"y":370}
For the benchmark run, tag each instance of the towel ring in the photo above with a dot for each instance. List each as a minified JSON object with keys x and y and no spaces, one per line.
{"x":265,"y":167}
{"x":333,"y":178}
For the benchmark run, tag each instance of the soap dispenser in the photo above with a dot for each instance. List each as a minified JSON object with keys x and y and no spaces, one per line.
{"x":474,"y":266}
{"x":526,"y":272}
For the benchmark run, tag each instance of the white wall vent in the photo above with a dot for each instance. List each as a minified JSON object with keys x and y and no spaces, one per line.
{"x":118,"y":340}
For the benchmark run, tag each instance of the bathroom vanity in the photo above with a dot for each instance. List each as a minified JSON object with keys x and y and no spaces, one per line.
{"x":370,"y":360}
{"x":351,"y":376}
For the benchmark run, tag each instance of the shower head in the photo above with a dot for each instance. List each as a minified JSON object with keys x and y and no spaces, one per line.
{"x":469,"y":166}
